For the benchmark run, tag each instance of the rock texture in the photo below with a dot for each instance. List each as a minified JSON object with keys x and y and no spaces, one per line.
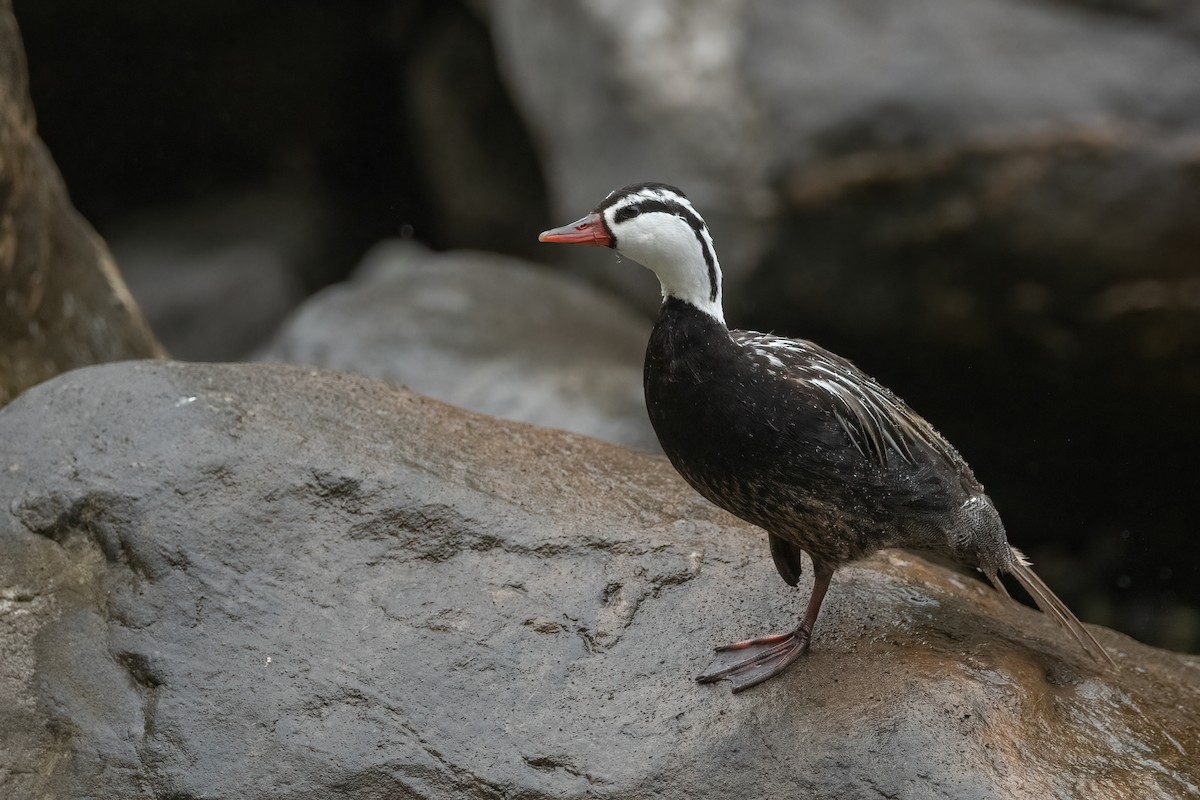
{"x":268,"y":581}
{"x":62,"y":302}
{"x":484,"y":332}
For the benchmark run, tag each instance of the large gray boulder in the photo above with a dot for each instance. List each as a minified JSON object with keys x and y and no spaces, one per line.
{"x":245,"y":581}
{"x":489,"y":333}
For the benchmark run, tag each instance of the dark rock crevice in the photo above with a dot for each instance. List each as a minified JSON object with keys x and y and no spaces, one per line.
{"x":105,"y":518}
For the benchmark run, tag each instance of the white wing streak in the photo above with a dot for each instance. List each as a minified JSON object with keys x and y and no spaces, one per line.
{"x":877,"y":423}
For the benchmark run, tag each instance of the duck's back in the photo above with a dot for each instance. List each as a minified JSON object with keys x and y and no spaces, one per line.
{"x":797,"y":440}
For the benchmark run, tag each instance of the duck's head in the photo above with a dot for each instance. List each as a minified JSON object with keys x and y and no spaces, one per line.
{"x":656,"y":226}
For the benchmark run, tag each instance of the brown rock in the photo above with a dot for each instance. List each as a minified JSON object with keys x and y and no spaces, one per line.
{"x":254,"y":580}
{"x":62,"y":302}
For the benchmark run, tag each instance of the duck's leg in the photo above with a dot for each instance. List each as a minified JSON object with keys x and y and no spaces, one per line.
{"x":749,"y":663}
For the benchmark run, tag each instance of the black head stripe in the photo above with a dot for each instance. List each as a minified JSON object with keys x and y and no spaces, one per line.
{"x":658,"y":206}
{"x":612,"y":237}
{"x":617,"y":196}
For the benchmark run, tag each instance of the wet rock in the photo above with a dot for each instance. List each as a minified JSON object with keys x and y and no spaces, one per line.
{"x":256,"y":580}
{"x":484,"y":332}
{"x":62,"y":302}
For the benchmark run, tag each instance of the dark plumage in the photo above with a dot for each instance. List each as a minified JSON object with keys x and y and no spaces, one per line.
{"x":791,"y":437}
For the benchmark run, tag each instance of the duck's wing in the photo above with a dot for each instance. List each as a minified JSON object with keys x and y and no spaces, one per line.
{"x":878,"y":424}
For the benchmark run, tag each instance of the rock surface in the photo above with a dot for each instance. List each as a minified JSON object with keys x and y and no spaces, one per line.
{"x":62,"y":302}
{"x":256,"y":580}
{"x":485,"y":332}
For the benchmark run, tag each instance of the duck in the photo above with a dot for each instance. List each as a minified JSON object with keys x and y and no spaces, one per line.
{"x":792,"y":438}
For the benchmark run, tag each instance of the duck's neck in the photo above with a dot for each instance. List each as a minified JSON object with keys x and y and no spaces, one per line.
{"x":686,"y":320}
{"x":697,"y":284}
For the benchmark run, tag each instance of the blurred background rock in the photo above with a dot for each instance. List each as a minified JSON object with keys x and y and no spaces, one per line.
{"x":989,"y":205}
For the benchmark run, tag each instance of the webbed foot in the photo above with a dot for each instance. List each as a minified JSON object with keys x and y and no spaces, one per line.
{"x":749,"y":663}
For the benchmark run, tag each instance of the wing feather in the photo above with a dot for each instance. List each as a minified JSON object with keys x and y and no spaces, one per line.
{"x":878,"y":424}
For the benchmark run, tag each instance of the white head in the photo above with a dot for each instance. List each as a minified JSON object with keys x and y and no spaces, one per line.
{"x":655,"y":225}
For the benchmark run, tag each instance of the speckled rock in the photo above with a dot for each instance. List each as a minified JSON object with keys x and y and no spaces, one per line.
{"x":265,"y":581}
{"x":492,"y":334}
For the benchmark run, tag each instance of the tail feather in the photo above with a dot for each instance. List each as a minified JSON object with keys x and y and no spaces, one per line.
{"x":1050,"y":605}
{"x":1000,"y":587}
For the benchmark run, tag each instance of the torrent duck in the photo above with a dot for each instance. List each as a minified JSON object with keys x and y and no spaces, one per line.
{"x":790,"y":437}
